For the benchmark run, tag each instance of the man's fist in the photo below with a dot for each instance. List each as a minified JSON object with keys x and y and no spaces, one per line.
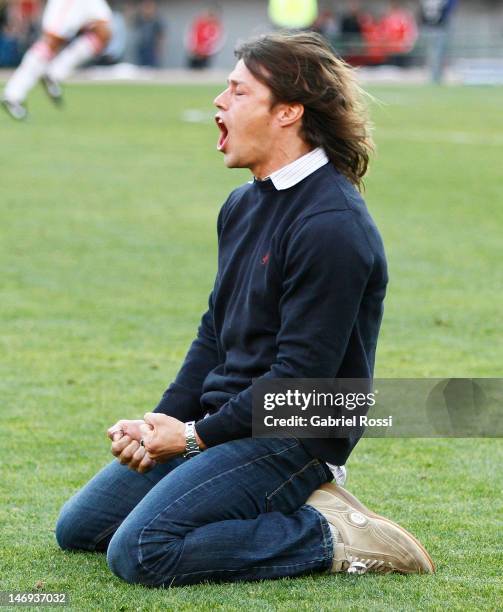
{"x":163,"y":436}
{"x":126,"y":436}
{"x":125,"y":427}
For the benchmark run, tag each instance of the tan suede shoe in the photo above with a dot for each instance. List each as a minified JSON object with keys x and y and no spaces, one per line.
{"x":368,"y":542}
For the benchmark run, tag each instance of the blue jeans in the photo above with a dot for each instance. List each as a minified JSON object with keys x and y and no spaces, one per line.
{"x":235,"y":512}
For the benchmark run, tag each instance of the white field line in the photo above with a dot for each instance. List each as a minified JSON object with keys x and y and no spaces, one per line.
{"x":440,"y":137}
{"x":196,"y":115}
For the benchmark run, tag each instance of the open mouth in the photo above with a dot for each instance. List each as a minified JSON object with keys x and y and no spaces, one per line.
{"x":224,"y":134}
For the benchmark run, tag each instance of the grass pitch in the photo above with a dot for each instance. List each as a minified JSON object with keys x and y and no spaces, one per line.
{"x":107,"y":215}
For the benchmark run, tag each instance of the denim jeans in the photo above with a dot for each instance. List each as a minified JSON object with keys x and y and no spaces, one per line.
{"x":235,"y":512}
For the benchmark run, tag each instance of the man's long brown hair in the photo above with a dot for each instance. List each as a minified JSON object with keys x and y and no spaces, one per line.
{"x":302,"y":68}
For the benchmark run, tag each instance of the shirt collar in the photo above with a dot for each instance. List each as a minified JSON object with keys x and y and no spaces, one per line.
{"x":298,"y":170}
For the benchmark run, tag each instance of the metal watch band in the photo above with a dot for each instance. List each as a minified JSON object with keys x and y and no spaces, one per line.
{"x":191,"y":445}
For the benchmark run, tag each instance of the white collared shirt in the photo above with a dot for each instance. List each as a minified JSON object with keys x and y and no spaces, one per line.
{"x":298,"y":170}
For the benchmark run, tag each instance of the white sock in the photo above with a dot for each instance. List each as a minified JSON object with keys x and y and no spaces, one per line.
{"x":336,"y":536}
{"x":78,"y":52}
{"x":337,"y":541}
{"x":33,"y":66}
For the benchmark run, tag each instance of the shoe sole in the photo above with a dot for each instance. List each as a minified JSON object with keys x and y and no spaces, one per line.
{"x":351,"y":500}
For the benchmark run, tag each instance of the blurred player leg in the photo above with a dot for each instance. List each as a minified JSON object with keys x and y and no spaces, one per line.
{"x":33,"y":66}
{"x":62,"y":21}
{"x":90,"y":18}
{"x":86,"y":46}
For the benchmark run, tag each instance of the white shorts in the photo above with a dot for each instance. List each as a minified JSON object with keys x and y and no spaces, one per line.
{"x":64,"y":18}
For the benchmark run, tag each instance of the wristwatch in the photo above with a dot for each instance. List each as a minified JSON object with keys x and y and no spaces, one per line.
{"x":191,"y":446}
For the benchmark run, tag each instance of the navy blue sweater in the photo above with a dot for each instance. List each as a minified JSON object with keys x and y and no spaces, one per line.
{"x":299,"y":293}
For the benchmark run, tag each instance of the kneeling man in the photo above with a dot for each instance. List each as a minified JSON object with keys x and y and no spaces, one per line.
{"x":298,"y":294}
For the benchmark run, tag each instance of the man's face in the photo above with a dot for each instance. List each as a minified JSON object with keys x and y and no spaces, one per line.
{"x":246,"y":121}
{"x":149,"y":9}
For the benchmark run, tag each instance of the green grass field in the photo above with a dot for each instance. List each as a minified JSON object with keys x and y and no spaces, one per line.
{"x":107,"y":215}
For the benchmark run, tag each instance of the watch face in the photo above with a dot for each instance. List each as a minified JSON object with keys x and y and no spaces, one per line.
{"x":193,"y":453}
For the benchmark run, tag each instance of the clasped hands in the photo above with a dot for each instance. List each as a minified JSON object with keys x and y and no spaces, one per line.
{"x":163,"y":438}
